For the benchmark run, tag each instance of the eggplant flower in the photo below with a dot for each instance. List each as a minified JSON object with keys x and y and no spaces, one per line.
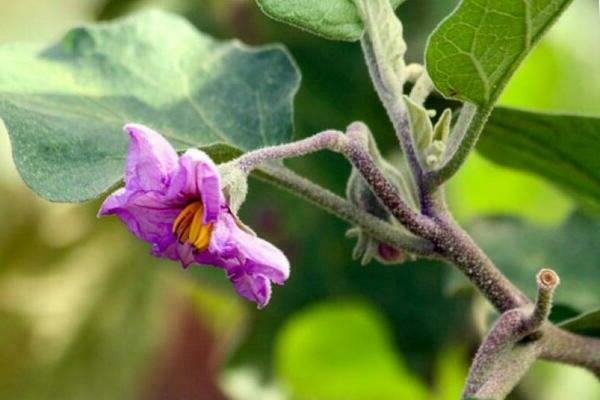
{"x":177,"y":205}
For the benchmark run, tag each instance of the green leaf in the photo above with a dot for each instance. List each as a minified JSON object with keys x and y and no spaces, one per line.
{"x":342,"y":351}
{"x":474,"y":52}
{"x":64,"y":106}
{"x":332,"y":19}
{"x":561,"y":148}
{"x":571,"y":250}
{"x":585,"y":324}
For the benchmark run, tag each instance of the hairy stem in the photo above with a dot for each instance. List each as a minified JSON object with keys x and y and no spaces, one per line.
{"x":501,"y":360}
{"x":547,"y":281}
{"x":519,"y":337}
{"x":329,"y":139}
{"x":357,"y":154}
{"x":386,"y":192}
{"x":569,"y":348}
{"x":378,"y":229}
{"x":422,"y":89}
{"x":457,"y":247}
{"x":398,"y":115}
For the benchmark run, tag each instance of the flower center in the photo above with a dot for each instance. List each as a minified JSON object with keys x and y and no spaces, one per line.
{"x":188,"y":226}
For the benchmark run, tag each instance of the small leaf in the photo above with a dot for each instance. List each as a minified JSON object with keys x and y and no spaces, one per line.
{"x":332,"y":19}
{"x":561,"y":148}
{"x":64,"y":106}
{"x":442,"y":127}
{"x":584,"y":324}
{"x":420,"y":124}
{"x":473,"y":53}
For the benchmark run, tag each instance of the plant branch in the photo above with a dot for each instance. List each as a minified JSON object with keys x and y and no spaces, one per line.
{"x":456,"y":246}
{"x":329,"y":139}
{"x":396,"y":111}
{"x":547,"y":281}
{"x":512,"y":344}
{"x":387,"y":193}
{"x":501,"y":360}
{"x":566,"y":347}
{"x":373,"y":226}
{"x":356,"y":152}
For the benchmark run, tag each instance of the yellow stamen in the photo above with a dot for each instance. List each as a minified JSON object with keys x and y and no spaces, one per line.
{"x":204,"y":237}
{"x":188,"y":226}
{"x":188,"y":211}
{"x":195,"y":226}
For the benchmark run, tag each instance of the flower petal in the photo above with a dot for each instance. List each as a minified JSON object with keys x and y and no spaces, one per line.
{"x":257,"y":255}
{"x":251,"y":263}
{"x":173,"y":250}
{"x":260,"y":256}
{"x":254,"y":287}
{"x":151,"y":160}
{"x":198,"y":176}
{"x":145,"y":213}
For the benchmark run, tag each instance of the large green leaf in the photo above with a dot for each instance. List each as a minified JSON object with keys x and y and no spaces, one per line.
{"x":520,"y":251}
{"x":342,"y":351}
{"x":64,"y":106}
{"x":332,"y":19}
{"x":473,"y":53}
{"x":561,"y":148}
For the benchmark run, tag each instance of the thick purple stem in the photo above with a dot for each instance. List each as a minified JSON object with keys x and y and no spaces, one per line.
{"x":456,"y":246}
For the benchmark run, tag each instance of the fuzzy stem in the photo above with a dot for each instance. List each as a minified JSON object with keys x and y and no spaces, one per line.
{"x":547,"y":281}
{"x":416,"y":223}
{"x":439,"y":236}
{"x":329,"y":139}
{"x":398,"y":115}
{"x":512,"y":344}
{"x":378,"y":229}
{"x":422,"y":88}
{"x":457,"y":247}
{"x":500,"y":362}
{"x":358,"y":155}
{"x":566,"y":347}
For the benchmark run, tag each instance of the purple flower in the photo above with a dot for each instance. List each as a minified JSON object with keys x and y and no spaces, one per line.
{"x":177,"y":204}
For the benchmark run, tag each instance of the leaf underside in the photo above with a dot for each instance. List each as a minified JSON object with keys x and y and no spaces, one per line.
{"x":64,"y":106}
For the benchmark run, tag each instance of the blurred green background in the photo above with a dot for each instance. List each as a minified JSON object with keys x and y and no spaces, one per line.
{"x":85,"y":313}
